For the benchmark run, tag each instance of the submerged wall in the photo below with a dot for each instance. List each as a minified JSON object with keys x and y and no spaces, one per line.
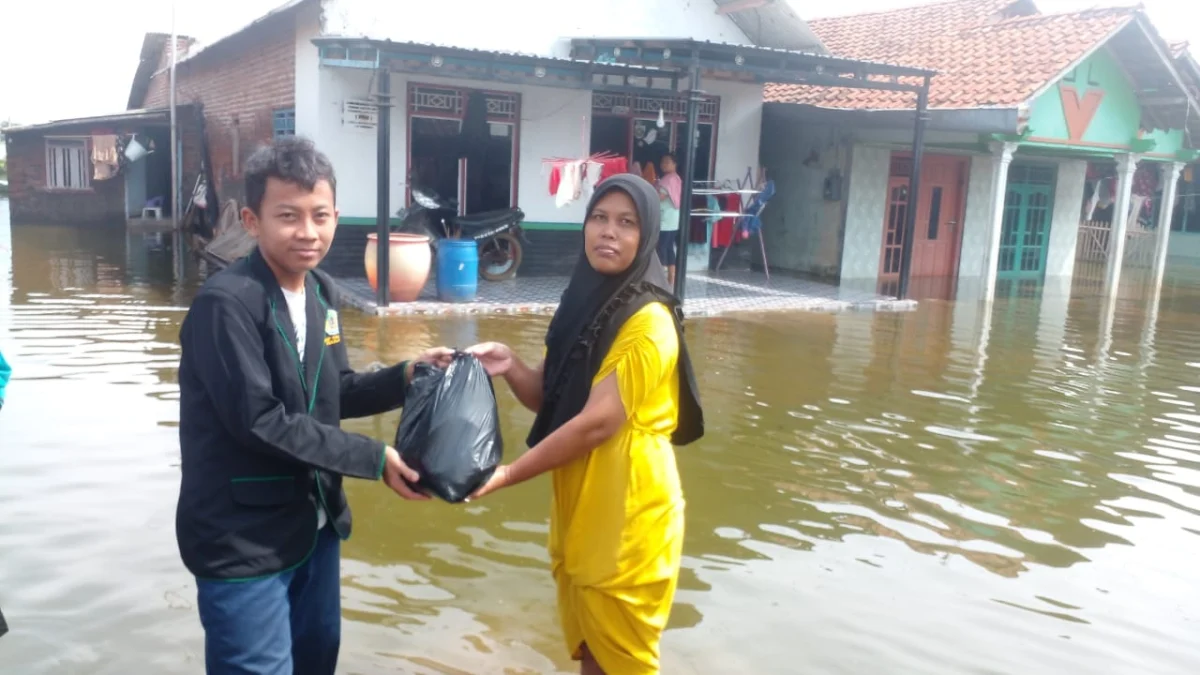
{"x":802,"y":229}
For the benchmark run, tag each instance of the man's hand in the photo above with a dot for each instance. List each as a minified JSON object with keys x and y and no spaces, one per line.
{"x":438,"y":356}
{"x":395,"y":472}
{"x":496,"y":358}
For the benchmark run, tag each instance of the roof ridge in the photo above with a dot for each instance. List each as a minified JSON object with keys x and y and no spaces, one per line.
{"x":1017,"y":22}
{"x":908,"y":8}
{"x":1087,"y":12}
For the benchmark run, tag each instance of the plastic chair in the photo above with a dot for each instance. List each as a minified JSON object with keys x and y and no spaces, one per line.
{"x":153,"y":208}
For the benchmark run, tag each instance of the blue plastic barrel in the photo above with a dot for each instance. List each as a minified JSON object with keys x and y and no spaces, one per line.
{"x":457,"y":270}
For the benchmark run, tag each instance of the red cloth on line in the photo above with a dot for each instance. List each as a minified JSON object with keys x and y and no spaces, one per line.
{"x":609,"y":166}
{"x":723,"y":229}
{"x":613,"y":166}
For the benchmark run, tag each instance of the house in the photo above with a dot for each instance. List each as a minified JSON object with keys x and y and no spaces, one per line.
{"x":386,"y":91}
{"x":566,"y":86}
{"x":1185,"y":222}
{"x":80,"y":171}
{"x":1047,"y":139}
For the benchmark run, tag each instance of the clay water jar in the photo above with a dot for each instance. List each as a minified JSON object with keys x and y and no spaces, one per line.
{"x":410,"y":260}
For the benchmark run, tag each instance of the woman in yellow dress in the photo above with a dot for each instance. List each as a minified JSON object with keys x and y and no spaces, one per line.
{"x":613,"y":394}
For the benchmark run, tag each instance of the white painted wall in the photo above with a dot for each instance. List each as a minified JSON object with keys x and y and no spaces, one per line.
{"x":977,"y":221}
{"x":866,"y":204}
{"x":554,"y":123}
{"x":739,"y":128}
{"x":541,"y":27}
{"x":1064,"y":229}
{"x":307,"y":97}
{"x":551,"y":123}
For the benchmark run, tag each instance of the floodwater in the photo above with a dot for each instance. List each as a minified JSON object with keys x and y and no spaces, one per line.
{"x":942,"y":491}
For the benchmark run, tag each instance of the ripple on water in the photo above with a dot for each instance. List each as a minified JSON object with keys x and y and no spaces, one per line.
{"x":1005,"y":483}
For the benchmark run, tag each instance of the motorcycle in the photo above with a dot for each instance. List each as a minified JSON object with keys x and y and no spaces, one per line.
{"x":497,"y":233}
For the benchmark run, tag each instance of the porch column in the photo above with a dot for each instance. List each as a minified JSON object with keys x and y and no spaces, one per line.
{"x":1126,"y":166}
{"x":1002,"y":155}
{"x":1170,"y":186}
{"x":383,"y":165}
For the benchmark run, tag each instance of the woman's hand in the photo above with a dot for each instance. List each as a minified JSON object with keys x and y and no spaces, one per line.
{"x":438,"y":356}
{"x":498,"y":480}
{"x":496,"y":358}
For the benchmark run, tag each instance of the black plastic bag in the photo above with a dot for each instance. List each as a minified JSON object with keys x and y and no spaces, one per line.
{"x":449,"y":431}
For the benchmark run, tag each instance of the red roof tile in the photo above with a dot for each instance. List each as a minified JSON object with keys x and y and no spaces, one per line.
{"x":988,"y":53}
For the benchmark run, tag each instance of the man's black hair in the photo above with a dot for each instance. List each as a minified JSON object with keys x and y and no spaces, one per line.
{"x":293,"y":159}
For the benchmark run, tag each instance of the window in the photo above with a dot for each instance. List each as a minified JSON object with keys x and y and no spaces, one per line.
{"x":284,"y":122}
{"x":67,"y":165}
{"x":1186,"y":216}
{"x":436,"y":116}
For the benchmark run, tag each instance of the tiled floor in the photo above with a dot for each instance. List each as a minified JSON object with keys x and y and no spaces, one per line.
{"x":705,"y":296}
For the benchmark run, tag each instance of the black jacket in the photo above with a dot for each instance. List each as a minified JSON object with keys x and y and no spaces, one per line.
{"x":259,"y":425}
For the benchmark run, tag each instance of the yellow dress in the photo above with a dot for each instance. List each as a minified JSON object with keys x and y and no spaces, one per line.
{"x":616,"y":529}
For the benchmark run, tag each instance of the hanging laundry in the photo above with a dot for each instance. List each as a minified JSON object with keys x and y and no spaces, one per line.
{"x":574,"y":179}
{"x":592,"y":174}
{"x":723,"y":231}
{"x":569,"y":187}
{"x":104,"y":157}
{"x":612,"y":166}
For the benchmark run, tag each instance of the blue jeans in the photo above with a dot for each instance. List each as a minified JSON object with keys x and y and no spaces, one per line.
{"x":282,"y":624}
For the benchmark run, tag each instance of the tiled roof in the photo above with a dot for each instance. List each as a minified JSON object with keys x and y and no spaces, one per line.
{"x":988,"y":53}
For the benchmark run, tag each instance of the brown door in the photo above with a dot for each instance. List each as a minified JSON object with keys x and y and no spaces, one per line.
{"x":939,"y":217}
{"x":938,"y":223}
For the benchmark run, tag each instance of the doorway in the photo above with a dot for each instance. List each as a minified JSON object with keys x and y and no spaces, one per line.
{"x":937,"y":225}
{"x":449,"y":124}
{"x":1028,"y":211}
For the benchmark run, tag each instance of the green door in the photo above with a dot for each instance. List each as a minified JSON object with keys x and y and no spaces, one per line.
{"x":1028,"y":211}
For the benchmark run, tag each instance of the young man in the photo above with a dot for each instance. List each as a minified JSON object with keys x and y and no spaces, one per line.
{"x":264,"y":382}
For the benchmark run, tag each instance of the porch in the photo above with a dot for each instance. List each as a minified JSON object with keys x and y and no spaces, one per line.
{"x":706,"y":295}
{"x":632,"y":99}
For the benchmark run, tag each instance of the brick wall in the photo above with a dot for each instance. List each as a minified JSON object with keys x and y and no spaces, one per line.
{"x":30,"y":202}
{"x":239,"y":83}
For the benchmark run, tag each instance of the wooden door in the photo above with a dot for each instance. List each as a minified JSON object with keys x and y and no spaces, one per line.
{"x":938,"y":223}
{"x":938,"y":228}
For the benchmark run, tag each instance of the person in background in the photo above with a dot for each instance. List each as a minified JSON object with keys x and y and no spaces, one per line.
{"x":614,"y":392}
{"x":5,"y":374}
{"x":670,"y":190}
{"x":264,"y":382}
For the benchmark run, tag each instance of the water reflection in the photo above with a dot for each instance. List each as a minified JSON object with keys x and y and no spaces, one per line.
{"x":1011,"y":487}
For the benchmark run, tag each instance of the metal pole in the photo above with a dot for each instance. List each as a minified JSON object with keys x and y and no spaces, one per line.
{"x":689,"y":170}
{"x":174,"y":132}
{"x":383,"y":158}
{"x":914,"y":191}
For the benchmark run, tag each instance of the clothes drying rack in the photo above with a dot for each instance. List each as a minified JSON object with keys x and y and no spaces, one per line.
{"x":752,"y":203}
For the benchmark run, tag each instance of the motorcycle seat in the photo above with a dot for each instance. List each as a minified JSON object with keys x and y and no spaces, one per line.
{"x":488,"y":219}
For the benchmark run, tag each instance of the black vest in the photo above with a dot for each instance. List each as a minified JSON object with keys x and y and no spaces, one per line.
{"x":259,"y":424}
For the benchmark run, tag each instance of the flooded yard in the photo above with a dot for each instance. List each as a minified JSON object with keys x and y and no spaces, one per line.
{"x":946,"y":490}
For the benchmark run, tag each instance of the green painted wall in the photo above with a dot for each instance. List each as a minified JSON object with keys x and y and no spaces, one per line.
{"x":1099,"y":99}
